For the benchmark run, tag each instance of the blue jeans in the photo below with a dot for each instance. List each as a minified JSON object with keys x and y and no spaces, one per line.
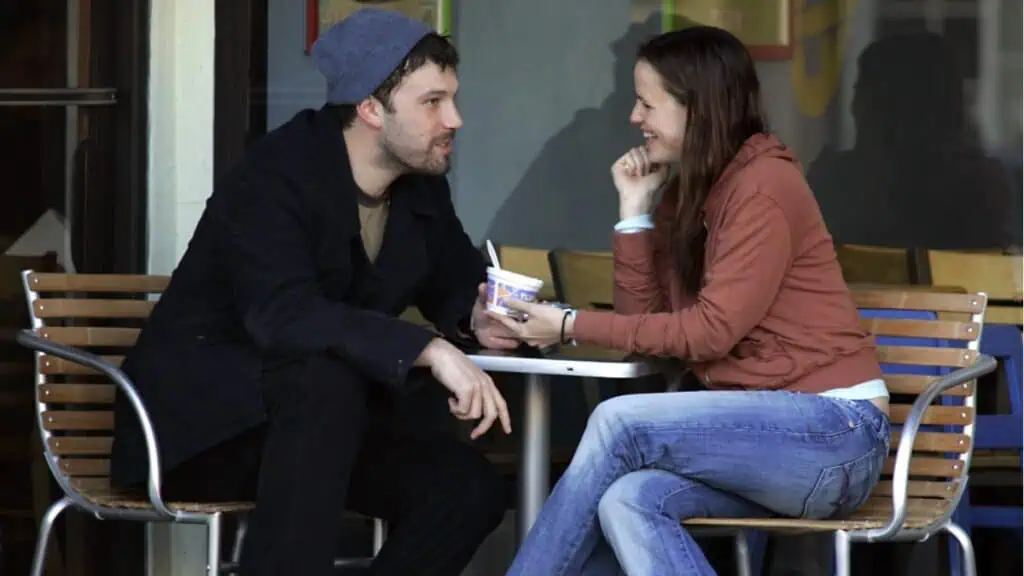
{"x":646,"y":461}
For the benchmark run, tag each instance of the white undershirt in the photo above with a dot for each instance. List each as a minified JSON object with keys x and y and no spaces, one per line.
{"x":864,"y":391}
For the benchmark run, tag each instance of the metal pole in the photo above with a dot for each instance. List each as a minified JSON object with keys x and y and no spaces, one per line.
{"x":534,"y":471}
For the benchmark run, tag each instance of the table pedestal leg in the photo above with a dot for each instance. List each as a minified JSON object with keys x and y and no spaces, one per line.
{"x":534,"y":464}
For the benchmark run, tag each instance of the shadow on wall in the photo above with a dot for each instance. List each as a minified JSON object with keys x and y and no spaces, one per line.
{"x":915,"y":177}
{"x":569,"y":181}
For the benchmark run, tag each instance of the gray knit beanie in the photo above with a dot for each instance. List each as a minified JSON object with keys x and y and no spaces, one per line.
{"x":357,"y":54}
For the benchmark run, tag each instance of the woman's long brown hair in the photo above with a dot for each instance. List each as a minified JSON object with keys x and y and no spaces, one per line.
{"x":710,"y":72}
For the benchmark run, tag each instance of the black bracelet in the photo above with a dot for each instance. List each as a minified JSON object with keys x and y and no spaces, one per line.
{"x":561,"y":336}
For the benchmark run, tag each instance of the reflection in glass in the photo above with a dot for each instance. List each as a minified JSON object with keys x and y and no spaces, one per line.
{"x":916,"y":176}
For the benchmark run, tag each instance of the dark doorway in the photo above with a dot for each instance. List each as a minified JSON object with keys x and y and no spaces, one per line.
{"x":73,"y":97}
{"x":240,"y":90}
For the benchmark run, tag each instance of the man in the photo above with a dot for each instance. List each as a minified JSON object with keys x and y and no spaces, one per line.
{"x":273,"y":364}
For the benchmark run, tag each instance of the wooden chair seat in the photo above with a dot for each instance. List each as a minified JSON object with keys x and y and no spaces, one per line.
{"x":135,"y":500}
{"x":875,"y":513}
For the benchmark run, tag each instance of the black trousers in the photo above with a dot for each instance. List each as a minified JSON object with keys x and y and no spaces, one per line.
{"x":335,"y":441}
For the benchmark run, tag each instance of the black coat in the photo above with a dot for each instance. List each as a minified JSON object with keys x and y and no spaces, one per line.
{"x":276,"y":269}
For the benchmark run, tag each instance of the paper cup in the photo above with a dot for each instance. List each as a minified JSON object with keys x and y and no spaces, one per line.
{"x":503,"y":286}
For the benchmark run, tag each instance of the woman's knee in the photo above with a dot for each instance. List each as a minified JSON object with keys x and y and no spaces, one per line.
{"x":609,"y":419}
{"x":642,"y":491}
{"x":613,"y":426}
{"x":622,"y":499}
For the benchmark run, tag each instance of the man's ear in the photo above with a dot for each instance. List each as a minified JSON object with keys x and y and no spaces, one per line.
{"x":370,"y":111}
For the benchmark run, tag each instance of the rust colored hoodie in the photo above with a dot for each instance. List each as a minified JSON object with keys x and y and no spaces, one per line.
{"x":774,"y":311}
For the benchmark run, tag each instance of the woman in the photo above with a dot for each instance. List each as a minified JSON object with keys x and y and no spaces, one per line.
{"x":735,"y":274}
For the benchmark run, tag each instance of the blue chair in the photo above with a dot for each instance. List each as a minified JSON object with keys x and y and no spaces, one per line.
{"x":955,"y":560}
{"x":1003,"y":342}
{"x":996,"y":432}
{"x":999,"y":275}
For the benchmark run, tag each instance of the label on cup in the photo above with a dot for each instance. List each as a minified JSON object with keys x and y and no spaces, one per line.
{"x":499,"y":293}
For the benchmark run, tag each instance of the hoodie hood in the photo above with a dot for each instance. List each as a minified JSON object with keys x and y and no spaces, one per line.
{"x":758,"y":146}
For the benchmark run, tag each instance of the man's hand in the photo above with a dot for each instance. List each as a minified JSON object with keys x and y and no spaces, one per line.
{"x":489,"y":333}
{"x":475,"y":395}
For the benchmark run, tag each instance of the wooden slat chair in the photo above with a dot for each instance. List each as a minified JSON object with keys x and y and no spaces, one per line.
{"x":82,"y":325}
{"x":998,"y":440}
{"x":24,"y":477}
{"x":864,"y":264}
{"x":584,"y":280}
{"x":999,"y":276}
{"x":926,"y":474}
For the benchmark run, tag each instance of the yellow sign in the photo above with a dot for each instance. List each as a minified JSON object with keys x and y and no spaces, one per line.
{"x":755,"y":22}
{"x":822,"y":28}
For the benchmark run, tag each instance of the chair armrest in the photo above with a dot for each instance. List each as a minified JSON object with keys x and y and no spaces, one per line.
{"x":31,"y":340}
{"x":901,"y":470}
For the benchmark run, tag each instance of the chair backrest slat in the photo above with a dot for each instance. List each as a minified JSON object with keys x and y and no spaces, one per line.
{"x":55,"y":366}
{"x":920,"y":489}
{"x":937,"y":442}
{"x":93,"y":308}
{"x":77,"y":393}
{"x":926,"y":356}
{"x":914,"y":384}
{"x":923,"y":300}
{"x":78,"y":420}
{"x":81,"y":446}
{"x":929,"y":466}
{"x":944,"y":415}
{"x":921,"y":328}
{"x":110,"y":283}
{"x":91,"y":336}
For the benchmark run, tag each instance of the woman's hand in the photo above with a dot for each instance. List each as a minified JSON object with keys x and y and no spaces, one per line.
{"x":637,"y":179}
{"x":543,"y":326}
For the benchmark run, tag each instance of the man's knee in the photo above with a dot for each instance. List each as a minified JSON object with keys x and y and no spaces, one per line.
{"x":317,"y":378}
{"x":476,"y":487}
{"x":424,"y":409}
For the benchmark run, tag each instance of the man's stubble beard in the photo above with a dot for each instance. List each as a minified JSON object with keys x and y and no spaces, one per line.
{"x":395,"y":156}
